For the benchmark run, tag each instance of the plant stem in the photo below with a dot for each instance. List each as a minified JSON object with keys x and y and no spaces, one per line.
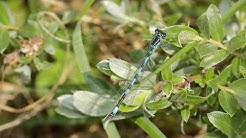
{"x":170,"y":61}
{"x":218,"y":44}
{"x":148,"y":127}
{"x":239,"y":5}
{"x":111,"y":130}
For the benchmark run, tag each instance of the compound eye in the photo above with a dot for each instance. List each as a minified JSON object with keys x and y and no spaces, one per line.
{"x":156,"y":31}
{"x":163,"y":35}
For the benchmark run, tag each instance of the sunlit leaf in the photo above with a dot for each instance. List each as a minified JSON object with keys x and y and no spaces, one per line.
{"x":136,"y":97}
{"x":174,"y":31}
{"x":93,"y":104}
{"x":194,"y":99}
{"x":185,"y":113}
{"x":169,"y":48}
{"x":69,"y":113}
{"x":223,"y":122}
{"x":216,"y":27}
{"x":221,"y":79}
{"x":203,"y":25}
{"x":239,"y":91}
{"x":79,"y":50}
{"x":205,"y":49}
{"x":235,"y":67}
{"x":214,"y":58}
{"x":66,"y":107}
{"x":167,"y":88}
{"x":186,"y":37}
{"x":122,"y":68}
{"x":237,"y":42}
{"x":227,"y":102}
{"x":209,"y":74}
{"x":160,"y":104}
{"x":167,"y":74}
{"x":128,"y":108}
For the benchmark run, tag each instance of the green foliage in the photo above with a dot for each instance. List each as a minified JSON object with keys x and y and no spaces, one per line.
{"x":197,"y":67}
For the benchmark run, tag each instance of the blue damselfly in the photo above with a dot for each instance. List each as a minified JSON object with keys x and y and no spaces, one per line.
{"x":155,"y":42}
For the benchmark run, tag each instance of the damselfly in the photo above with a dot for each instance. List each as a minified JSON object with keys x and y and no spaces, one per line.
{"x":155,"y":42}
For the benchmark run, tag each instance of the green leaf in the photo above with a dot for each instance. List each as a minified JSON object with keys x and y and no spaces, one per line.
{"x":239,"y":91}
{"x":174,"y":31}
{"x":223,"y":122}
{"x":209,"y":74}
{"x":180,"y":97}
{"x":205,"y":49}
{"x":236,"y":43}
{"x":235,"y":67}
{"x":167,"y":88}
{"x":151,"y":129}
{"x":30,"y":29}
{"x":128,"y":108}
{"x":68,"y":17}
{"x":136,"y":97}
{"x":203,"y":25}
{"x":25,"y":73}
{"x":214,"y":58}
{"x":167,"y":74}
{"x":239,"y":121}
{"x":68,"y":112}
{"x":185,"y":113}
{"x":100,"y":86}
{"x":173,"y":18}
{"x":211,"y":96}
{"x":86,"y":7}
{"x":41,"y":65}
{"x":111,"y":130}
{"x":66,"y":107}
{"x":200,"y":80}
{"x":53,"y":27}
{"x":4,"y":16}
{"x":176,"y":79}
{"x":4,"y":40}
{"x":115,"y":10}
{"x":53,"y":71}
{"x":186,"y":37}
{"x":79,"y":51}
{"x":103,"y":66}
{"x":227,"y":102}
{"x":137,"y":55}
{"x":93,"y":104}
{"x":186,"y":71}
{"x":221,"y":79}
{"x":216,"y":27}
{"x":194,"y":99}
{"x":122,"y":68}
{"x":169,"y":48}
{"x":161,"y":104}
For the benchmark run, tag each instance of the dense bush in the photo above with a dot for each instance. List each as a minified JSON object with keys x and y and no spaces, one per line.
{"x":198,"y":73}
